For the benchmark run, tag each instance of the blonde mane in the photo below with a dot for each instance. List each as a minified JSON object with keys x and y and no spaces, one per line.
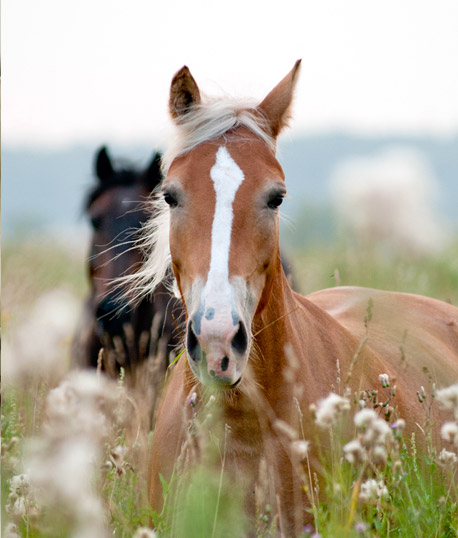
{"x":204,"y":122}
{"x":213,"y":119}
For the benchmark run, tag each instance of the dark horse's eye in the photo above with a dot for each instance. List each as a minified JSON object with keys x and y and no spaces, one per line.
{"x":275,"y":201}
{"x":96,"y":222}
{"x":170,"y":200}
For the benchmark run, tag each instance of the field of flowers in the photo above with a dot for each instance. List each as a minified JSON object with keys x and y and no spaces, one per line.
{"x":75,"y":444}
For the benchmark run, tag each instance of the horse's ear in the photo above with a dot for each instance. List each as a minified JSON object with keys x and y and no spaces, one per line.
{"x":103,"y":167}
{"x":277,"y":104}
{"x":184,"y":93}
{"x":153,"y":176}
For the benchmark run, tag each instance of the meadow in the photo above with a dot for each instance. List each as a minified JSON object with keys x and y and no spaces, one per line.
{"x":74,"y":446}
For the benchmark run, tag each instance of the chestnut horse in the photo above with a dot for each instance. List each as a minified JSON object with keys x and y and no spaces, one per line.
{"x":245,"y":325}
{"x":116,"y":209}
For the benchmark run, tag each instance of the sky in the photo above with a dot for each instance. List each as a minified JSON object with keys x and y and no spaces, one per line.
{"x":89,"y":71}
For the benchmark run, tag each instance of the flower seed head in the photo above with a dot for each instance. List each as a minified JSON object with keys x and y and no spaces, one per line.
{"x":384,"y":380}
{"x":330,"y":409}
{"x":447,"y":459}
{"x":300,"y":448}
{"x":354,"y":452}
{"x":448,"y":398}
{"x":449,"y":432}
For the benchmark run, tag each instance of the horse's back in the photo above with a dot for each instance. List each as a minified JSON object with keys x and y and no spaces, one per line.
{"x":407,"y":331}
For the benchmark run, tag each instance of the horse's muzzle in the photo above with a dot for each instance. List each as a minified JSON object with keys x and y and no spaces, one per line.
{"x":217,"y":357}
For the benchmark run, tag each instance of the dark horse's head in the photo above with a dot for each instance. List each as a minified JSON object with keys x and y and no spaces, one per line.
{"x":116,"y":209}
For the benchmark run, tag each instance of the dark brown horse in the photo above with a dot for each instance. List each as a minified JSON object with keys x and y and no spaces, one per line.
{"x":219,"y":215}
{"x":129,"y":334}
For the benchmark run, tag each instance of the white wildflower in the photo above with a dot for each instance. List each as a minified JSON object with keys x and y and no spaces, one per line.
{"x":354,"y":452}
{"x":10,"y":531}
{"x":329,"y":409}
{"x":382,"y":430}
{"x":384,"y":380}
{"x":77,"y":404}
{"x":117,"y":456}
{"x":300,"y":448}
{"x":448,"y":397}
{"x":372,"y":490}
{"x":374,"y":429}
{"x":63,"y":461}
{"x":447,"y":459}
{"x":63,"y":468}
{"x":379,"y":455}
{"x":19,"y":484}
{"x":17,"y":508}
{"x":449,"y":432}
{"x":22,"y":497}
{"x":37,"y":347}
{"x":365,"y":418}
{"x":144,"y":532}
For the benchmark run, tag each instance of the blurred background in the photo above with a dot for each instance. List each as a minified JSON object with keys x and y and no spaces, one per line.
{"x":371,"y":164}
{"x":371,"y":158}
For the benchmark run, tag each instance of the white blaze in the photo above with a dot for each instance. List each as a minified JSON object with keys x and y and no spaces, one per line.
{"x":227,"y":178}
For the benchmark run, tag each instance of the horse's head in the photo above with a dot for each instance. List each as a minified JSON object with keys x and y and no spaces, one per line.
{"x":116,"y":210}
{"x":223,"y":188}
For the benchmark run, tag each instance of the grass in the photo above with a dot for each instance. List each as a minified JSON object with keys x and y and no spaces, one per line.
{"x":348,"y":265}
{"x":422,"y":495}
{"x":33,"y":266}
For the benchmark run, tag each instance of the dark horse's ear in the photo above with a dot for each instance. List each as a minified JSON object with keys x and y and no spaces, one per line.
{"x":103,"y":167}
{"x":153,"y":176}
{"x":277,"y":104}
{"x":184,"y":93}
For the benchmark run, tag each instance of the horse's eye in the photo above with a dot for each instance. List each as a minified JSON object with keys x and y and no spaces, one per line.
{"x":170,"y":200}
{"x":96,"y":223}
{"x":275,"y":201}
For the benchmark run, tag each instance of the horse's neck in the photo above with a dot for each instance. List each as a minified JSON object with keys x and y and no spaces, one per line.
{"x":296,"y":338}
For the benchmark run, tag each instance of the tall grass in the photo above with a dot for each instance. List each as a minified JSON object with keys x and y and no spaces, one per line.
{"x":347,"y":264}
{"x":412,"y":493}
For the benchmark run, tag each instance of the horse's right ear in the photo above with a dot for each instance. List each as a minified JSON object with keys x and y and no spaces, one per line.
{"x":184,"y":93}
{"x":276,"y":106}
{"x":103,"y":167}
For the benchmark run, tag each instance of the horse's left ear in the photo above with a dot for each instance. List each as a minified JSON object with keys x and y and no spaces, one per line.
{"x":103,"y":166}
{"x":276,"y":105}
{"x":152,"y":176}
{"x":184,"y":93}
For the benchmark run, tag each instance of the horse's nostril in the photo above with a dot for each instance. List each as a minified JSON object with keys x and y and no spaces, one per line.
{"x":240,"y":340}
{"x":224,"y":363}
{"x":192,"y":344}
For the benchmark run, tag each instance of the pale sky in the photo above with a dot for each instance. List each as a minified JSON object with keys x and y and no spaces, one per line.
{"x":99,"y":70}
